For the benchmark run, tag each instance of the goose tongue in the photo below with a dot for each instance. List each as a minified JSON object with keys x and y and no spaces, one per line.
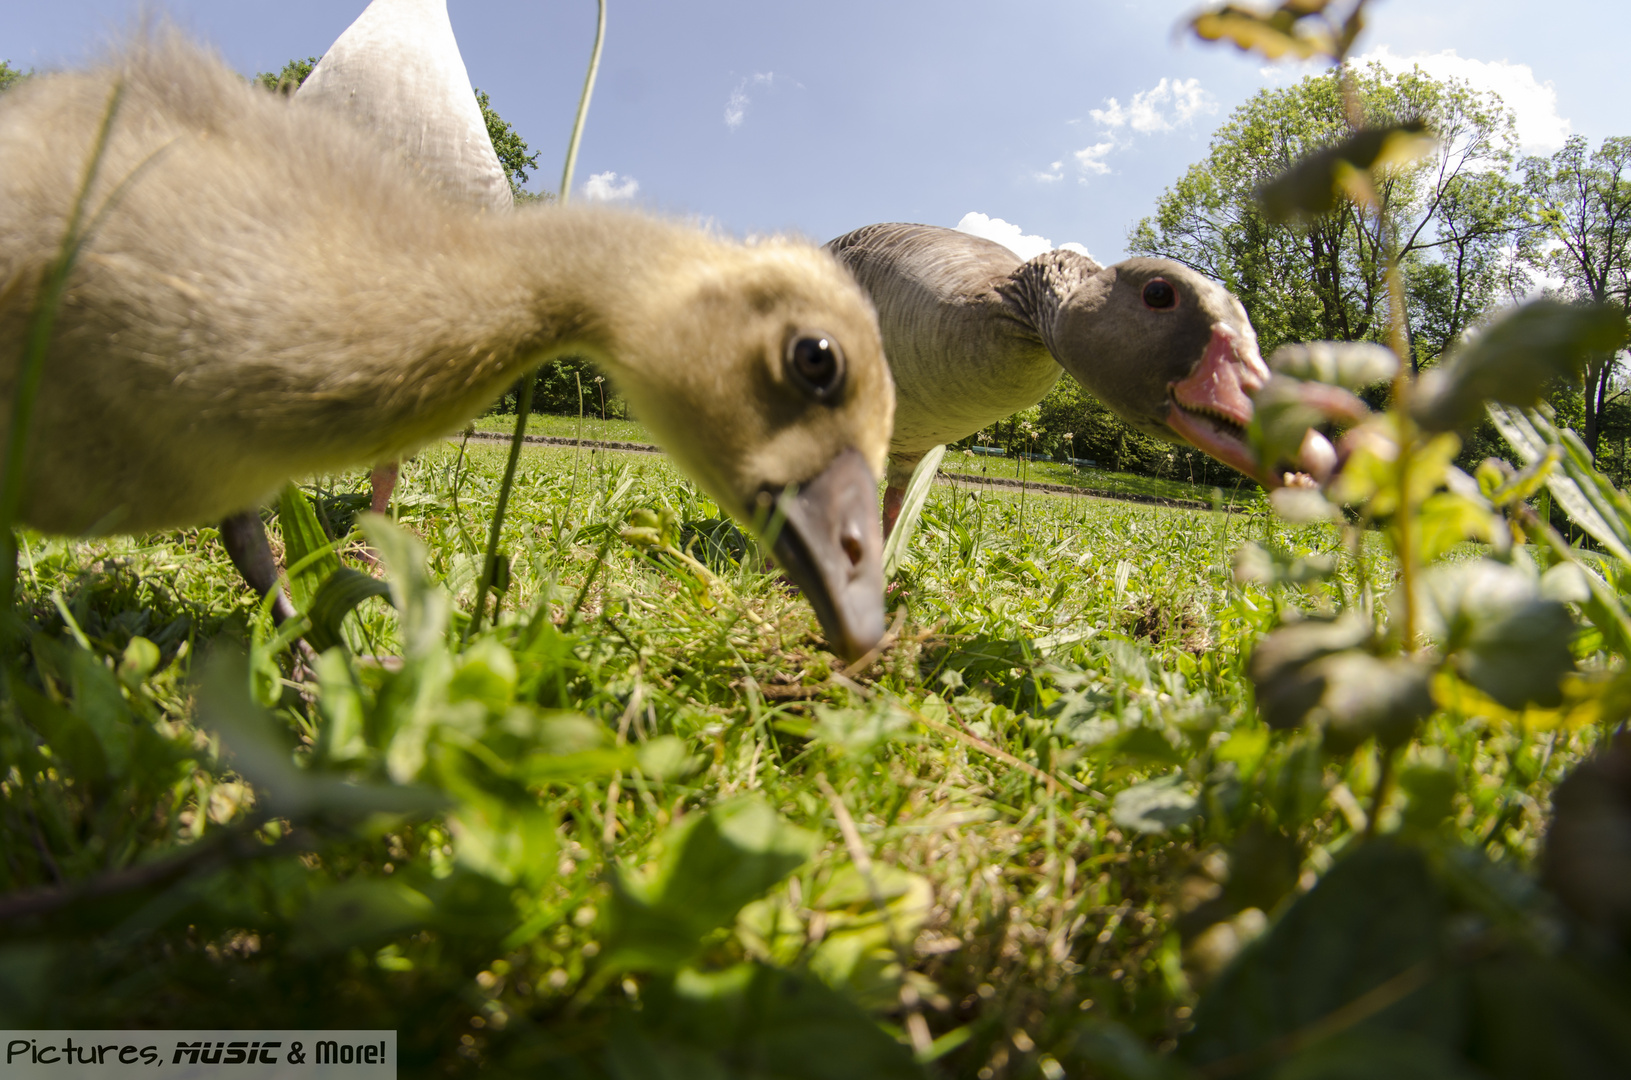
{"x":1211,"y":407}
{"x":832,"y":548}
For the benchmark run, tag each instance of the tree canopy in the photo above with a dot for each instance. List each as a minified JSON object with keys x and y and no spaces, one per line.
{"x":9,"y":75}
{"x":1451,"y":215}
{"x":1580,"y":243}
{"x":511,"y":149}
{"x":288,"y":80}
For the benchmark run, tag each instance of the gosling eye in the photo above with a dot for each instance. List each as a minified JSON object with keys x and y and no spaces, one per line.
{"x":1159,"y":294}
{"x":815,"y":363}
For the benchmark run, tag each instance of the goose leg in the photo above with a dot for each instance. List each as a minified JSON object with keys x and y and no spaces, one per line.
{"x":897,"y":474}
{"x":382,"y":482}
{"x":893,"y":496}
{"x":245,"y":540}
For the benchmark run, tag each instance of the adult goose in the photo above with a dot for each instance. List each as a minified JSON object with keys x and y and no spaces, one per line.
{"x":261,"y":298}
{"x":974,"y":333}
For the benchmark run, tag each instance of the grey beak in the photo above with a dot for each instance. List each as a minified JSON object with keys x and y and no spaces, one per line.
{"x":831,"y":545}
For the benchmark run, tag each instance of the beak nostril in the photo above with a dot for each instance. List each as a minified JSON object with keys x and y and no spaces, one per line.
{"x":851,"y":544}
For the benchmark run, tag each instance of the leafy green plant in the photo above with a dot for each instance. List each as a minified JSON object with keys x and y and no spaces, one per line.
{"x":1335,"y":986}
{"x":1102,"y":807}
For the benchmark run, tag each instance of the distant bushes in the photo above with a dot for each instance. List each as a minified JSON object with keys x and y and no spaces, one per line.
{"x":1070,"y":422}
{"x":558,"y":388}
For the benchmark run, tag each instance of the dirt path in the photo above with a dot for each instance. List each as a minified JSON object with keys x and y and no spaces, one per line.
{"x":987,"y":483}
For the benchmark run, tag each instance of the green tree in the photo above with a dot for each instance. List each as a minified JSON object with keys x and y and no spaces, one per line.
{"x":10,"y":76}
{"x":289,"y":79}
{"x":1582,"y":209}
{"x":1098,"y":435}
{"x":1451,"y":215}
{"x":511,"y":149}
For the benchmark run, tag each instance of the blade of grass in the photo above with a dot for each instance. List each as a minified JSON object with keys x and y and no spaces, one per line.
{"x":911,"y":509}
{"x":32,"y":370}
{"x":523,"y":404}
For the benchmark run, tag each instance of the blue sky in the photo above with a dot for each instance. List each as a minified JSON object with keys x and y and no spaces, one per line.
{"x":1064,"y":119}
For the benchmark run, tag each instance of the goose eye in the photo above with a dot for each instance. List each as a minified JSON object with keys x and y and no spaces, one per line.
{"x":1159,"y":295}
{"x":816,"y":364}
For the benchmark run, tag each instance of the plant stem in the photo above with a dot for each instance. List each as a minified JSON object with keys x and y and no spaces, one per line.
{"x":583,"y":106}
{"x":489,"y":566}
{"x":523,"y":405}
{"x":1384,"y":786}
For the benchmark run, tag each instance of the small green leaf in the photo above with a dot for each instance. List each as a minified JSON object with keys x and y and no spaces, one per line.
{"x":1285,"y":409}
{"x":336,"y":598}
{"x":98,"y":700}
{"x":1429,"y":784}
{"x":856,"y":954}
{"x":421,"y":604}
{"x":1352,"y":365}
{"x":567,"y":748}
{"x":359,"y":911}
{"x":1375,"y":915}
{"x":1276,"y":566}
{"x":666,"y":758}
{"x":485,"y":673}
{"x":750,"y":1022}
{"x":1502,"y":486}
{"x":1156,"y":806}
{"x":1274,"y":35}
{"x":1515,"y":360}
{"x":1500,"y":632}
{"x":1314,"y":673}
{"x":307,"y":552}
{"x":1245,"y":747}
{"x":340,"y":739}
{"x":260,"y":751}
{"x":499,"y":828}
{"x":68,"y":735}
{"x":140,"y":659}
{"x":1286,"y":691}
{"x":710,"y":865}
{"x":1310,"y":188}
{"x":1447,"y":518}
{"x":1364,"y":696}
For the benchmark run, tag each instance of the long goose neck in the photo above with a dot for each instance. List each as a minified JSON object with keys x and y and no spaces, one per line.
{"x":1035,"y":291}
{"x":476,"y":303}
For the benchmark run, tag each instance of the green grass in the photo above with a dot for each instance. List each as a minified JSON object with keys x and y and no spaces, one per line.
{"x":1053,"y":653}
{"x":593,"y":427}
{"x":1097,"y":480}
{"x":957,"y":461}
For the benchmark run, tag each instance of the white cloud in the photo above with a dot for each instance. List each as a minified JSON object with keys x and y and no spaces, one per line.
{"x":603,"y":187}
{"x":736,"y":107}
{"x":1534,"y":103}
{"x":1091,"y":158}
{"x":1165,"y":107}
{"x":1170,"y":103}
{"x":1054,"y":172}
{"x":1012,"y":237}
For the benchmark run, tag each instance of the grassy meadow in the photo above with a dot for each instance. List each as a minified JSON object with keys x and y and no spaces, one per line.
{"x":1021,"y":841}
{"x":961,"y":462}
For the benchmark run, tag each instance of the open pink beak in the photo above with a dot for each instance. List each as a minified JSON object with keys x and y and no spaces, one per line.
{"x":1212,"y":406}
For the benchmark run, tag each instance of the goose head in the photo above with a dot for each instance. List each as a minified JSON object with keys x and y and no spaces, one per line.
{"x":763,"y":374}
{"x":1171,"y":351}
